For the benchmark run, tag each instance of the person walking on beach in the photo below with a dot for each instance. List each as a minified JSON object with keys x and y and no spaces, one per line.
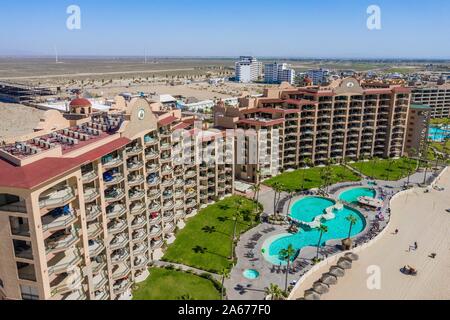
{"x":415,"y":246}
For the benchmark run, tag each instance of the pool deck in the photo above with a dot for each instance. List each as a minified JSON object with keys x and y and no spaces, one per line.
{"x":420,"y":217}
{"x":249,"y":247}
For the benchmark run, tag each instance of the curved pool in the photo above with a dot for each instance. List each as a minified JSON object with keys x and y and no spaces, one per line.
{"x":306,"y":210}
{"x":251,"y":274}
{"x":352,"y":195}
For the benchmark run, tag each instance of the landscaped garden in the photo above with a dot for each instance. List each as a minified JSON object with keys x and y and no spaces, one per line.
{"x":167,"y":284}
{"x":386,"y":169}
{"x":206,"y":241}
{"x":310,"y":178}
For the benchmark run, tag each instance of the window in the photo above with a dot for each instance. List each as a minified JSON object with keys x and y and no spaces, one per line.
{"x":29,"y":293}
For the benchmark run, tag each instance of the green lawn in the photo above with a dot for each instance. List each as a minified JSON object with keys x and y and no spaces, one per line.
{"x":384,"y":169}
{"x":440,"y":121}
{"x":165,"y":284}
{"x":205,"y":242}
{"x":311,"y":178}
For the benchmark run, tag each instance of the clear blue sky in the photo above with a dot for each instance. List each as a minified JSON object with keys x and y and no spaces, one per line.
{"x":294,"y":28}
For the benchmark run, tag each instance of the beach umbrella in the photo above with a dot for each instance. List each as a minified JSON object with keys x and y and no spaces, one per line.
{"x":344,"y":264}
{"x":311,"y":295}
{"x":320,"y":287}
{"x":328,"y":279}
{"x":351,"y":256}
{"x":337,"y":272}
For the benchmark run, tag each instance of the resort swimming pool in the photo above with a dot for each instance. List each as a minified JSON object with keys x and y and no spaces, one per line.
{"x":352,"y":195}
{"x":251,"y":274}
{"x":438,"y":134}
{"x":307,"y":209}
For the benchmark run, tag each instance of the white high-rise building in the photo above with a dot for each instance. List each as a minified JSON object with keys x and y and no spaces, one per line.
{"x":248,"y":69}
{"x":318,"y":76}
{"x":278,"y":72}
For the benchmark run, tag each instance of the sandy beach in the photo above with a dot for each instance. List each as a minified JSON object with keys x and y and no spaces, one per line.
{"x":420,"y":217}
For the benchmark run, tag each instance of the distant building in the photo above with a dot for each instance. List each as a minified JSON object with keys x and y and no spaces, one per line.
{"x":436,"y":96}
{"x":278,"y":72}
{"x":318,"y":76}
{"x":248,"y":69}
{"x":417,"y":129}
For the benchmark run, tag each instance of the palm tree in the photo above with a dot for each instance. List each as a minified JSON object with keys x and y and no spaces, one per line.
{"x":287,"y":254}
{"x":225,"y":274}
{"x":374,"y":162}
{"x":352,"y":219}
{"x":390,"y":163}
{"x":186,"y":296}
{"x":256,"y":188}
{"x":323,"y":229}
{"x":275,"y":292}
{"x":277,"y":188}
{"x":236,"y":216}
{"x":412,"y":152}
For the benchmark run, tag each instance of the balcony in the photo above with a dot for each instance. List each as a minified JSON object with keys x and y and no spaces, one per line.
{"x":100,"y":280}
{"x":65,"y":283}
{"x":90,"y":195}
{"x":110,"y":162}
{"x":139,"y":236}
{"x":95,"y":248}
{"x":115,"y":211}
{"x":61,"y":243}
{"x":167,"y":183}
{"x":120,"y":256}
{"x":112,"y":179}
{"x":137,"y":208}
{"x":121,"y":271}
{"x":134,"y":150}
{"x":114,"y":194}
{"x":57,"y":197}
{"x":134,"y":165}
{"x":152,"y":168}
{"x":179,"y":204}
{"x":168,"y":205}
{"x":150,"y":140}
{"x":72,"y":296}
{"x":140,"y":248}
{"x":154,"y":194}
{"x":155,"y":231}
{"x":140,"y":262}
{"x":180,"y":214}
{"x":154,"y":206}
{"x":117,"y":227}
{"x":89,"y":176}
{"x":93,"y":230}
{"x":190,"y":174}
{"x":92,"y":213}
{"x":136,"y":194}
{"x":101,"y":295}
{"x":165,"y":146}
{"x":156,"y":244}
{"x":57,"y":220}
{"x":179,"y":183}
{"x":169,"y":228}
{"x":119,"y":241}
{"x":122,"y":286}
{"x":63,"y":262}
{"x":151,"y":155}
{"x":138,"y":222}
{"x":155,"y":220}
{"x":191,"y":204}
{"x":98,"y":266}
{"x":153,"y":181}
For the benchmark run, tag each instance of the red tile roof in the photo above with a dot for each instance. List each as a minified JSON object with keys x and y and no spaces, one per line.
{"x":80,"y":102}
{"x":261,"y":123}
{"x":167,"y":121}
{"x":36,"y":173}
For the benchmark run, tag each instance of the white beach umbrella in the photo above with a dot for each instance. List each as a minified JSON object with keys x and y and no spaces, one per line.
{"x":312,"y":295}
{"x":352,"y":256}
{"x":336,"y":271}
{"x":328,"y":279}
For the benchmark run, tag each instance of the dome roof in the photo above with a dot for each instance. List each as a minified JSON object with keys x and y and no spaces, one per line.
{"x":80,"y":102}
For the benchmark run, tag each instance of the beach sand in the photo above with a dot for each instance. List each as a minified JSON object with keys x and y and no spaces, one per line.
{"x":419,"y":217}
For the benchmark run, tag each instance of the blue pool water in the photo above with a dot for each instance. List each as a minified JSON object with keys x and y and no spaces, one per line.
{"x":438,"y":134}
{"x":251,"y":274}
{"x":307,"y":209}
{"x":352,"y":195}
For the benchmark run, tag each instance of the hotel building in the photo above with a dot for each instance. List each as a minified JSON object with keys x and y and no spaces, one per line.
{"x":438,"y":97}
{"x":278,"y":73}
{"x":315,"y":124}
{"x":93,"y":198}
{"x":248,"y":69}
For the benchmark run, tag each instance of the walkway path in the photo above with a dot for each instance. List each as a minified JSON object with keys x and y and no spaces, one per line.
{"x":186,"y":268}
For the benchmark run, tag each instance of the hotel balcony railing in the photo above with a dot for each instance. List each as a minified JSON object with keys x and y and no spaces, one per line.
{"x":96,"y":248}
{"x":112,"y":163}
{"x":136,"y":195}
{"x":167,"y":218}
{"x":117,"y":227}
{"x":179,"y":214}
{"x":153,"y":221}
{"x":152,"y":168}
{"x":178,"y":194}
{"x":132,"y":151}
{"x":155,"y":232}
{"x":90,"y":195}
{"x":116,"y":211}
{"x":167,"y":195}
{"x":93,"y":230}
{"x":122,"y":287}
{"x":132,"y":166}
{"x":151,"y":155}
{"x":99,"y":281}
{"x":165,"y":146}
{"x":72,"y":296}
{"x":138,"y":222}
{"x":98,"y":266}
{"x":148,"y":140}
{"x":140,"y":262}
{"x":62,"y":243}
{"x":156,"y":244}
{"x":92,"y":213}
{"x":139,"y":236}
{"x":63,"y":262}
{"x":121,"y":271}
{"x":65,"y":283}
{"x":179,"y":204}
{"x":137,"y":208}
{"x":50,"y":223}
{"x":57,"y":198}
{"x":153,"y":182}
{"x":140,"y":248}
{"x":101,"y":295}
{"x":119,"y":241}
{"x":169,"y":228}
{"x":116,"y":179}
{"x":153,"y":194}
{"x":167,"y":183}
{"x":179,"y":183}
{"x":114,"y":196}
{"x":89,"y":176}
{"x":154,"y":207}
{"x":190,"y":174}
{"x":135,"y":180}
{"x":119,"y":257}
